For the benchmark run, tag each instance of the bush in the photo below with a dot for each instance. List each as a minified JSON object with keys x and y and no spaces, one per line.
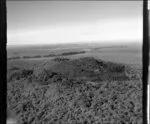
{"x":113,"y":67}
{"x":37,"y":56}
{"x":17,"y":74}
{"x":41,"y":74}
{"x":17,"y":57}
{"x":59,"y":59}
{"x":13,"y":68}
{"x":26,"y":57}
{"x":14,"y":75}
{"x":50,"y":55}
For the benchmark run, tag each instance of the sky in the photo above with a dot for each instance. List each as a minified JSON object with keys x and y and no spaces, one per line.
{"x":149,"y":4}
{"x":53,"y":22}
{"x":149,"y":14}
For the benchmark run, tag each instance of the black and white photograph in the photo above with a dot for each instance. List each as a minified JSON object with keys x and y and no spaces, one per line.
{"x":74,"y":62}
{"x":148,"y":86}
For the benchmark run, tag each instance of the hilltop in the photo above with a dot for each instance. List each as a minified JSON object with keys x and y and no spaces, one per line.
{"x":84,"y":90}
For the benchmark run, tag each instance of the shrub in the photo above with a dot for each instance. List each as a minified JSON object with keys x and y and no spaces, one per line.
{"x":41,"y":74}
{"x":72,"y":53}
{"x":13,"y":68}
{"x":17,"y":57}
{"x":59,"y":59}
{"x":17,"y":74}
{"x":37,"y":56}
{"x":26,"y":57}
{"x":50,"y":55}
{"x":113,"y":67}
{"x":14,"y":75}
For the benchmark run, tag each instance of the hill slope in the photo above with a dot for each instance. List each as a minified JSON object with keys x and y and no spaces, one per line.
{"x":79,"y":91}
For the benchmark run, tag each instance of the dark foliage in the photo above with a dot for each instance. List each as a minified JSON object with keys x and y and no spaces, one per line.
{"x":80,"y":91}
{"x":15,"y":73}
{"x":37,"y":56}
{"x":72,"y":53}
{"x":26,"y":57}
{"x":59,"y":59}
{"x":50,"y":55}
{"x":17,"y":57}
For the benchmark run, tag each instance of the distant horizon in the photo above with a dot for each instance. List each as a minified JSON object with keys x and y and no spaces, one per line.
{"x":80,"y":43}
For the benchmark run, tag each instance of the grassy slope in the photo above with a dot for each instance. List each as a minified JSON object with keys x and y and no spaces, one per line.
{"x":80,"y":91}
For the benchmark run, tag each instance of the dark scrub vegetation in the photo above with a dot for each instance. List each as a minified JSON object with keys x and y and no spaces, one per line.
{"x":49,"y":55}
{"x":17,"y":57}
{"x":78,"y":91}
{"x":61,"y":59}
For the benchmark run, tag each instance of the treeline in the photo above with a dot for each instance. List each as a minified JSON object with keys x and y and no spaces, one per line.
{"x":65,"y":54}
{"x":49,"y":55}
{"x":24,"y":57}
{"x":72,"y":53}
